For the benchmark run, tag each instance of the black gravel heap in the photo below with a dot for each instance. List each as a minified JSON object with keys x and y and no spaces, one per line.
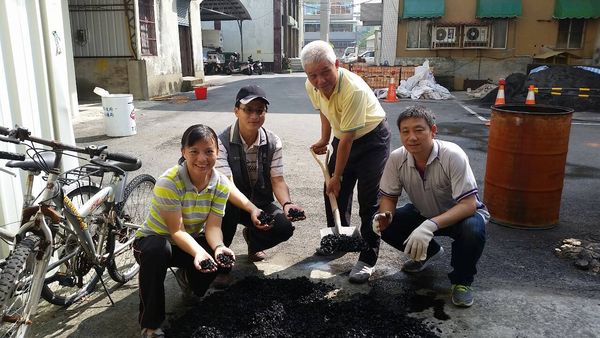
{"x":256,"y":307}
{"x":562,"y":76}
{"x":342,"y":243}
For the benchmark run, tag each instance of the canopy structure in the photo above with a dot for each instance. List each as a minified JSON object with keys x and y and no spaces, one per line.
{"x":223,"y":10}
{"x":414,"y":9}
{"x":498,"y":8}
{"x":576,"y":9}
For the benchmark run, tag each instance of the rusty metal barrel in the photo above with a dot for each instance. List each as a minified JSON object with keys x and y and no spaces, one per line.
{"x":527,"y":153}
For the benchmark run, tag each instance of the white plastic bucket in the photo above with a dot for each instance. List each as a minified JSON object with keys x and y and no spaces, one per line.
{"x":119,"y":115}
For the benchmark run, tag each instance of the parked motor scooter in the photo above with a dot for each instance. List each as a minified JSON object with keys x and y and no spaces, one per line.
{"x":257,"y":66}
{"x":214,"y":63}
{"x":234,"y":67}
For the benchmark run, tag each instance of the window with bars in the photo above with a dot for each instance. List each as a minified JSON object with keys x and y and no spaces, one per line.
{"x":419,"y":34}
{"x":499,"y":34}
{"x":147,"y":27}
{"x":312,"y":27}
{"x":341,"y":8}
{"x":570,"y":33}
{"x":341,"y":27}
{"x":341,"y":44}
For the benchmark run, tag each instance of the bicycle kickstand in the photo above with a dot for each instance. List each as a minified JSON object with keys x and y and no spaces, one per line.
{"x":106,"y":291}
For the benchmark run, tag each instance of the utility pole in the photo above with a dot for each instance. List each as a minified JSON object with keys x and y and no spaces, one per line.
{"x":325,"y":12}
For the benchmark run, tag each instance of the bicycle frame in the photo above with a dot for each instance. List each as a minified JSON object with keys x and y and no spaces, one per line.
{"x":56,"y":230}
{"x":75,"y":217}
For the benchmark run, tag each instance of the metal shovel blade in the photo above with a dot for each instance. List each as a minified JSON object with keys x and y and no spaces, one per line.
{"x":338,"y":229}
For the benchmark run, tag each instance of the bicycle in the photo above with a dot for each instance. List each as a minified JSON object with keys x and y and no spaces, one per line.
{"x":63,"y":259}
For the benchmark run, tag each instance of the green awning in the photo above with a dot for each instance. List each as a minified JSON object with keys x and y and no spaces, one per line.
{"x":423,"y":9}
{"x":576,"y":9}
{"x":498,"y":8}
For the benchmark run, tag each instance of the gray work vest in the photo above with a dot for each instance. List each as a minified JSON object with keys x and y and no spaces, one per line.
{"x":262,"y":191}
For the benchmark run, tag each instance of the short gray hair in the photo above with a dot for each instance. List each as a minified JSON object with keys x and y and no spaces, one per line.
{"x":417,"y":112}
{"x":317,"y":51}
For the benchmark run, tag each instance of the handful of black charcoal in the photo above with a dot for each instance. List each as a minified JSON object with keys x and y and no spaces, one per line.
{"x":296,"y":215}
{"x":265,"y":218}
{"x":207,"y":264}
{"x":225,"y":259}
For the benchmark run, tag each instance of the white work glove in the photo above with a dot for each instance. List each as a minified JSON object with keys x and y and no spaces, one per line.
{"x":418,"y":241}
{"x":381,"y":220}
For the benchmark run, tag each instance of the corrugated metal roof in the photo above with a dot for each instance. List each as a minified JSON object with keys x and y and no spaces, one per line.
{"x":224,"y":10}
{"x":576,"y":9}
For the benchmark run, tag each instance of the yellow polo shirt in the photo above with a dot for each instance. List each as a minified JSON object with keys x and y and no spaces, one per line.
{"x":351,"y":107}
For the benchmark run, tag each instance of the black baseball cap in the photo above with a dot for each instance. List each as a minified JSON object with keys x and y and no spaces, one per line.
{"x":249,"y":93}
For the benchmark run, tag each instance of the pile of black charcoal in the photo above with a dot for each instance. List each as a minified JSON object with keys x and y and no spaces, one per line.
{"x":259,"y":307}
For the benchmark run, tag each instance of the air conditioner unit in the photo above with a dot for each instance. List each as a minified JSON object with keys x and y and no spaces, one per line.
{"x":445,"y":34}
{"x":476,"y":34}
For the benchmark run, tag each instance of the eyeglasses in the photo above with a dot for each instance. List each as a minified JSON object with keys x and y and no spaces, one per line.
{"x":250,"y":111}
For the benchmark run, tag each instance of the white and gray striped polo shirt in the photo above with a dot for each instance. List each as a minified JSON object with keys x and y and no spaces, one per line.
{"x":448,"y":178}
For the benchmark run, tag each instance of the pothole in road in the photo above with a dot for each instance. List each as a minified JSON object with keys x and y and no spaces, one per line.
{"x":258,"y":307}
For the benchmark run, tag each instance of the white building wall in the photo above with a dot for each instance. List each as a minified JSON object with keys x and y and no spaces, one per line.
{"x":195,"y":25}
{"x":257,"y":33}
{"x":389,"y":32}
{"x":164,"y":70}
{"x":36,"y":67}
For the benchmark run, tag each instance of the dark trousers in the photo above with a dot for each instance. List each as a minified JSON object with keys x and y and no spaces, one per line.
{"x":155,"y":254}
{"x":468,"y":236}
{"x":365,"y":165}
{"x":258,"y":240}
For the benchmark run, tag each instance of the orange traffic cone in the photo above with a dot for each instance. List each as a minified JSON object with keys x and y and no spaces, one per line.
{"x":391,"y":94}
{"x":500,"y":97}
{"x":530,"y":95}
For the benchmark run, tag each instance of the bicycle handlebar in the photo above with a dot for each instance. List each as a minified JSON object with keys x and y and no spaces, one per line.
{"x":11,"y":156}
{"x":121,"y":158}
{"x":4,"y":130}
{"x":20,"y":134}
{"x":9,"y":140}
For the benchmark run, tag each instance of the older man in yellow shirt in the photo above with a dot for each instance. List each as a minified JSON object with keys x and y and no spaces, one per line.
{"x":361,"y":142}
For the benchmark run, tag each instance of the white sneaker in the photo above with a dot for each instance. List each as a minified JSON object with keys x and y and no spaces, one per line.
{"x":360,"y":273}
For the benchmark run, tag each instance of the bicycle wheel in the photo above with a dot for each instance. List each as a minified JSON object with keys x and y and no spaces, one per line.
{"x":132,"y":213}
{"x":17,"y":301}
{"x":76,"y":275}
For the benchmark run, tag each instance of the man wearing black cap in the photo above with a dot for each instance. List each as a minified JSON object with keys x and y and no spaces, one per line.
{"x":252,"y":156}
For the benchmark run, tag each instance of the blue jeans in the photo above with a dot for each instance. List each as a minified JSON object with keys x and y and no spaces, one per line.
{"x":468,"y":235}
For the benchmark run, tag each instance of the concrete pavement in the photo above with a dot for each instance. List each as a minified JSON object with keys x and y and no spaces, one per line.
{"x":522,"y":288}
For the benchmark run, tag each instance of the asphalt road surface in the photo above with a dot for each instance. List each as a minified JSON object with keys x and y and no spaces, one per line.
{"x":522,"y":289}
